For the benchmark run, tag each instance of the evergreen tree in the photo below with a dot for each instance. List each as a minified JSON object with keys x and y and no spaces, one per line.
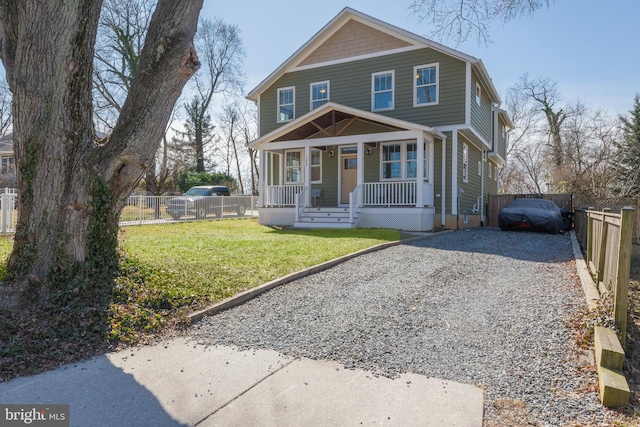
{"x":628,"y":164}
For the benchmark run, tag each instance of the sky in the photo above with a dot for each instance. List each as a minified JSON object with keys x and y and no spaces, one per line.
{"x":590,"y":48}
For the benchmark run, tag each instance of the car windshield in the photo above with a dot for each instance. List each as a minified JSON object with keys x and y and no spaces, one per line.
{"x":197,"y":192}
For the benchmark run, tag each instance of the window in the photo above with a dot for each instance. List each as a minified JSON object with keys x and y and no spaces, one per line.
{"x":479,"y":168}
{"x":465,"y":162}
{"x":490,"y":170}
{"x":293,"y":167}
{"x":400,"y":161}
{"x":8,"y":165}
{"x":425,"y":85}
{"x":382,"y":91}
{"x":391,"y":161}
{"x":286,"y":104}
{"x":478,"y":93}
{"x":319,"y":94}
{"x":316,"y":166}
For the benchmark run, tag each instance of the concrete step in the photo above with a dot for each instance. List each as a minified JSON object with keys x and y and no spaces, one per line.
{"x":318,"y":224}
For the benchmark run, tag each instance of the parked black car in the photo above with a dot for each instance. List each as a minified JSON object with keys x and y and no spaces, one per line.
{"x":206,"y":199}
{"x":533,"y":214}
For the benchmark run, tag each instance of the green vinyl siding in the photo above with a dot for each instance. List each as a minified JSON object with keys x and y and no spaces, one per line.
{"x":351,"y":85}
{"x":273,"y":177}
{"x":481,"y":116}
{"x":502,"y":140}
{"x":329,"y":184}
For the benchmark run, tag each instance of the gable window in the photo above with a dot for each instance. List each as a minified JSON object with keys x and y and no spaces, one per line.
{"x":465,"y":163}
{"x":382,"y":91}
{"x":293,"y":167}
{"x":490,"y":170}
{"x":400,"y":161}
{"x":286,"y":104}
{"x":316,"y":166}
{"x":425,"y":85}
{"x":478,"y":93}
{"x":319,"y":94}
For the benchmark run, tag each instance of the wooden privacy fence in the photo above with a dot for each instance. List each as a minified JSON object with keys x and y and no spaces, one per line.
{"x":497,"y":202}
{"x":606,"y":239}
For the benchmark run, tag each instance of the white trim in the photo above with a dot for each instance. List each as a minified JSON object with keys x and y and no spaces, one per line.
{"x":467,"y":94}
{"x":435,"y":65}
{"x":311,"y":100}
{"x":454,"y":173}
{"x":345,"y":140}
{"x":356,"y":58}
{"x":393,"y":90}
{"x":443,"y":193}
{"x":327,"y":107}
{"x":282,"y":89}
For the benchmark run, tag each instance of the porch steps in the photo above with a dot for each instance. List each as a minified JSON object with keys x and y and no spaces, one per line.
{"x":330,"y":217}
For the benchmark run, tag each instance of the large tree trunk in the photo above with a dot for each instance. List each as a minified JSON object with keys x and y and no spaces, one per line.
{"x":72,"y":188}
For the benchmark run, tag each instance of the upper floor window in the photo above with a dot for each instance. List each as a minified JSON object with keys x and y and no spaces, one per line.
{"x":286,"y":104}
{"x":425,"y":85}
{"x":478,"y":93}
{"x":319,"y":94}
{"x":382,"y":91}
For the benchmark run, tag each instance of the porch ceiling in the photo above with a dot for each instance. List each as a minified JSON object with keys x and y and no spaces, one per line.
{"x":332,"y":123}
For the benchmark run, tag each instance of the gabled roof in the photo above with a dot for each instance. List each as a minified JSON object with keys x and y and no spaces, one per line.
{"x":392,"y":37}
{"x":328,"y":113}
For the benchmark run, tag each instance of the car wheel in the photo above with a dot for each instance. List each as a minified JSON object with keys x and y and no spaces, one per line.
{"x":241,"y":210}
{"x":175,"y":216}
{"x":201,"y":213}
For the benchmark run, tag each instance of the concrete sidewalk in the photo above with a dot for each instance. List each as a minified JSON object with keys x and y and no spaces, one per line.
{"x":179,"y":383}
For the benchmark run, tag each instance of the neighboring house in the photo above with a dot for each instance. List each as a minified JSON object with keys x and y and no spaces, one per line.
{"x":369,"y":125}
{"x":7,"y":163}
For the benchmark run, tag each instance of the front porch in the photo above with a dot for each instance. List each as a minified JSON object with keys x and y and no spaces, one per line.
{"x":341,"y":167}
{"x":371,"y":205}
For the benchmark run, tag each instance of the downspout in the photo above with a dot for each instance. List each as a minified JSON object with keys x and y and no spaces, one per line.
{"x":443,"y":197}
{"x":484,"y":160}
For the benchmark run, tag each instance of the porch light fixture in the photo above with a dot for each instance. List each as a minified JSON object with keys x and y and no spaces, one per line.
{"x":368,"y":150}
{"x":331,"y":153}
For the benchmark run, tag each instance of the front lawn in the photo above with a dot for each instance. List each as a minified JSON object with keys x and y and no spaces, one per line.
{"x":167,"y":272}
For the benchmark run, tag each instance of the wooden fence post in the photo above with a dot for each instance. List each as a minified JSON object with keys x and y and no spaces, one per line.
{"x":621,"y":297}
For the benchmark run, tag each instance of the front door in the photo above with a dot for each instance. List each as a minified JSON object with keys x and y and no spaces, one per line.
{"x":349,"y":177}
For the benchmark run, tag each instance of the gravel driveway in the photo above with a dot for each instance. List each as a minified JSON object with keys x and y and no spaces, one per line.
{"x":481,"y":307}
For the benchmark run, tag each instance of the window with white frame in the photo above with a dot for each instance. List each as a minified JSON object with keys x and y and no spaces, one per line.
{"x":319,"y":94}
{"x":293,"y":167}
{"x":382,"y":91}
{"x":400,"y":161}
{"x":478,"y":93}
{"x":316,"y":166}
{"x":8,"y":165}
{"x":490,"y":170}
{"x":425,"y":85}
{"x":465,"y":163}
{"x":479,"y":168}
{"x":286,"y":104}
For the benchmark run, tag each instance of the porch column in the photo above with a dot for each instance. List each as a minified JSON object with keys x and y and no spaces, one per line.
{"x":360,"y":170}
{"x":420,"y":172}
{"x":262,"y":183}
{"x":307,"y":175}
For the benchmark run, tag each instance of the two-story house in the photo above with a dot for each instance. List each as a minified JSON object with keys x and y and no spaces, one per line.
{"x":370,"y":125}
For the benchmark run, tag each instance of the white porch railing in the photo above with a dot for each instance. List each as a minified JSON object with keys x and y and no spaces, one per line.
{"x":300,"y":203}
{"x":282,"y":195}
{"x":354,"y":205}
{"x":389,"y":193}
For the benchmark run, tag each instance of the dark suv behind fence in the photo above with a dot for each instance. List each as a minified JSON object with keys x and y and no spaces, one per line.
{"x":204,"y":200}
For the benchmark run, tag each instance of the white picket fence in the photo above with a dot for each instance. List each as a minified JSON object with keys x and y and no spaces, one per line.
{"x":141,"y":210}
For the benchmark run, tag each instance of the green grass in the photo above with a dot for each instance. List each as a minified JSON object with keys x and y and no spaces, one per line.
{"x":202,"y":262}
